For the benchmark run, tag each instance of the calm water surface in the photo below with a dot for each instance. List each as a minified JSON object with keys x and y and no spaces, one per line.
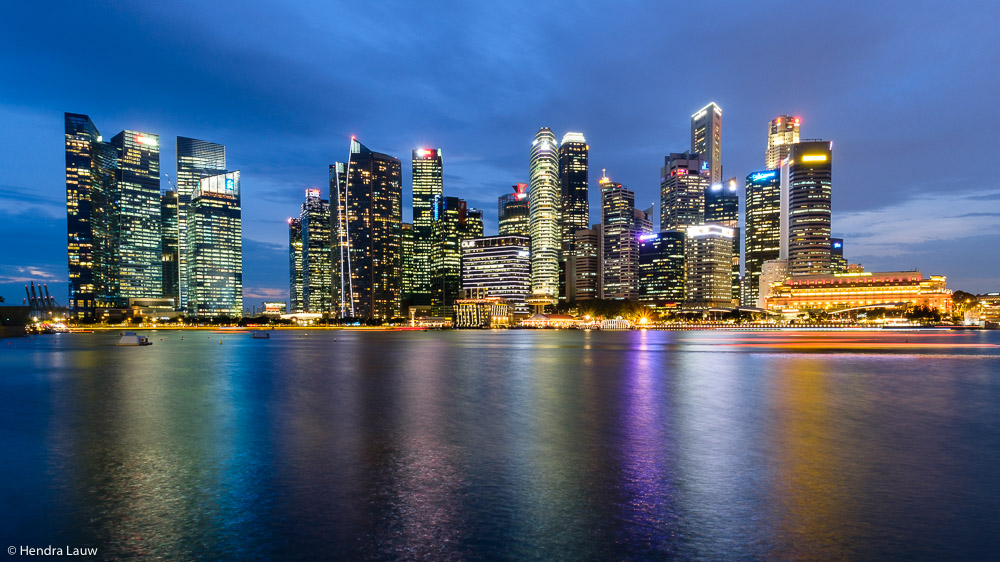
{"x":513,"y":445}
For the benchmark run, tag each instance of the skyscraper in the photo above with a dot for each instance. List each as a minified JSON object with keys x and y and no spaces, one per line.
{"x":137,"y":189}
{"x":838,"y":264}
{"x":782,"y":133}
{"x":805,"y":207}
{"x":544,"y":206}
{"x":409,"y":267}
{"x":317,"y":263}
{"x":763,"y":228}
{"x":708,"y":252}
{"x":499,"y":264}
{"x":368,"y":198}
{"x":295,"y":289}
{"x":91,"y":218}
{"x":661,"y":269}
{"x":722,"y":207}
{"x":573,"y":181}
{"x":453,"y":223}
{"x":683,"y":181}
{"x":512,"y":210}
{"x":586,"y":265}
{"x":170,"y":253}
{"x":621,"y":241}
{"x":706,"y":139}
{"x":196,"y":159}
{"x":215,"y":247}
{"x":428,"y":183}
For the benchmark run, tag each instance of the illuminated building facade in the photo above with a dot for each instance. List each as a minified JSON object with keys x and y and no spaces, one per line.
{"x":368,"y":202}
{"x":708,"y":258}
{"x":91,"y":218}
{"x":409,"y":267}
{"x":453,"y":223}
{"x":512,"y":210}
{"x":805,"y":208}
{"x":317,"y":261}
{"x":169,"y":256}
{"x":215,"y":247}
{"x":683,"y":181}
{"x":661,"y":269}
{"x":500,"y":266}
{"x":722,"y":207}
{"x":483,"y":313}
{"x":295,"y":289}
{"x":544,"y":210}
{"x":706,"y":139}
{"x":832,"y":292}
{"x":621,"y":241}
{"x":573,"y":180}
{"x":771,"y":272}
{"x":762,"y":222}
{"x":585,"y":268}
{"x":137,"y":191}
{"x":428,"y":183}
{"x":782,"y":133}
{"x":838,"y":264}
{"x":196,"y":159}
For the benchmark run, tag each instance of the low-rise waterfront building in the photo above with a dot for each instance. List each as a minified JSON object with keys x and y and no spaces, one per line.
{"x":487,"y":312}
{"x":831,"y":292}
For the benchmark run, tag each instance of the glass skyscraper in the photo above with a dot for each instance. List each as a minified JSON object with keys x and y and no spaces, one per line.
{"x":499,"y":264}
{"x":706,"y":139}
{"x":512,"y":211}
{"x":196,"y":159}
{"x":722,"y":207}
{"x":708,"y":252}
{"x":317,"y":263}
{"x":621,"y":241}
{"x":683,"y":181}
{"x":762,"y":222}
{"x":428,"y":183}
{"x":170,"y":251}
{"x":368,"y":203}
{"x":453,"y":223}
{"x":573,"y":180}
{"x":544,"y":209}
{"x":782,"y":133}
{"x":661,"y":269}
{"x":215,"y":247}
{"x":295,"y":289}
{"x":140,"y":267}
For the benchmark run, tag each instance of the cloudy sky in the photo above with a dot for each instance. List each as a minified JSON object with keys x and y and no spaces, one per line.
{"x":906,"y":90}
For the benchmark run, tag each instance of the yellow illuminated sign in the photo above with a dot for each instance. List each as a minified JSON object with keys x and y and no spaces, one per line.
{"x":814,"y":158}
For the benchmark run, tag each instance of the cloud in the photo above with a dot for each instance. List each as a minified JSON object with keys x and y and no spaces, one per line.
{"x":267,"y":293}
{"x":19,"y":200}
{"x":26,"y":274}
{"x":899,"y":229}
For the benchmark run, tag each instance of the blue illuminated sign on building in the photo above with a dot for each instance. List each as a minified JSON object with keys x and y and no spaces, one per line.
{"x":760,"y":177}
{"x":230,"y":184}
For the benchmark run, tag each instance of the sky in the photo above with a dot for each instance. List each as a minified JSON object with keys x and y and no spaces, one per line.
{"x":906,"y":91}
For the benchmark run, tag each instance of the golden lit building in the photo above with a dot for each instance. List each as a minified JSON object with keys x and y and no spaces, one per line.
{"x":858,"y":289}
{"x":487,"y":312}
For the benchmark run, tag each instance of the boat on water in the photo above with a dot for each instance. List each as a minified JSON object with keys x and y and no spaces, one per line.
{"x":131,"y":338}
{"x":260,"y":335}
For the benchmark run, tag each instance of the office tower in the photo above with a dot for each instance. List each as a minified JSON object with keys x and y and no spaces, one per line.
{"x":683,"y":181}
{"x":368,"y":197}
{"x":409,"y":273}
{"x":428,"y":183}
{"x":295,"y":288}
{"x":317,"y":261}
{"x":453,"y":223}
{"x":512,"y":210}
{"x":643,"y":220}
{"x":762,"y":221}
{"x":573,"y":181}
{"x":708,"y":254}
{"x":499,"y":264}
{"x":706,"y":139}
{"x":586,"y":266}
{"x":91,"y":218}
{"x":169,"y":258}
{"x":196,"y":159}
{"x":782,"y":133}
{"x":837,"y":262}
{"x":621,"y":241}
{"x":722,"y":207}
{"x":544,"y":208}
{"x":215,"y":247}
{"x":805,"y":207}
{"x":137,"y":189}
{"x":661,"y":269}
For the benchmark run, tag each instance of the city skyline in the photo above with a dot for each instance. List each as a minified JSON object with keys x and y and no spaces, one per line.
{"x":892,"y":212}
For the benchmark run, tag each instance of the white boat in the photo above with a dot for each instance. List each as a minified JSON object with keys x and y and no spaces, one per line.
{"x":131,"y":338}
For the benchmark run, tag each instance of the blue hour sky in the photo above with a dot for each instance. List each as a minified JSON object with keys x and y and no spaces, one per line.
{"x":906,"y":90}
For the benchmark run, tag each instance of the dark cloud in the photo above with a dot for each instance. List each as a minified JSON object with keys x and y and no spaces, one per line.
{"x":905,"y":91}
